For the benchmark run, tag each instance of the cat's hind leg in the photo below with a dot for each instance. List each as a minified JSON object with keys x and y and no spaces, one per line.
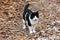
{"x":24,"y":26}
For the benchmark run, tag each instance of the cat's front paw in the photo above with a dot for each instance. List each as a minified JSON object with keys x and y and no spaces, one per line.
{"x":31,"y":32}
{"x":34,"y":31}
{"x":24,"y":27}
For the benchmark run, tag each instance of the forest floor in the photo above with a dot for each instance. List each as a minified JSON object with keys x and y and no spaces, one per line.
{"x":11,"y":20}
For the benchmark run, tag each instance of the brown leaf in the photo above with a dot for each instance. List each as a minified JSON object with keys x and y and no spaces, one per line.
{"x":21,"y":38}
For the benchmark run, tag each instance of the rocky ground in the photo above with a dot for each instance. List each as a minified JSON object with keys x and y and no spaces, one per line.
{"x":11,"y":20}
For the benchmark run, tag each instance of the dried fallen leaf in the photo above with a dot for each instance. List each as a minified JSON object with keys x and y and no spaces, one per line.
{"x":21,"y":38}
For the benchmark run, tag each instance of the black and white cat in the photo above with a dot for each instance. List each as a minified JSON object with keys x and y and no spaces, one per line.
{"x":30,"y":18}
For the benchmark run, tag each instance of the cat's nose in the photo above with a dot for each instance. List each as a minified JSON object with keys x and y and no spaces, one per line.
{"x":35,"y":19}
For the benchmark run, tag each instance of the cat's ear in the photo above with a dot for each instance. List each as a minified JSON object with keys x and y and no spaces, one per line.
{"x":36,"y":12}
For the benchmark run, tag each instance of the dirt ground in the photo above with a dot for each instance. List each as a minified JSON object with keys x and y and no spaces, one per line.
{"x":11,"y":20}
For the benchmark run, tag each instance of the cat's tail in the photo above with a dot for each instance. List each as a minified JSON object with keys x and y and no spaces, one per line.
{"x":26,"y":7}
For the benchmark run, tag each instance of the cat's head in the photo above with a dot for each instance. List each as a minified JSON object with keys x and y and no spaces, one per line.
{"x":34,"y":16}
